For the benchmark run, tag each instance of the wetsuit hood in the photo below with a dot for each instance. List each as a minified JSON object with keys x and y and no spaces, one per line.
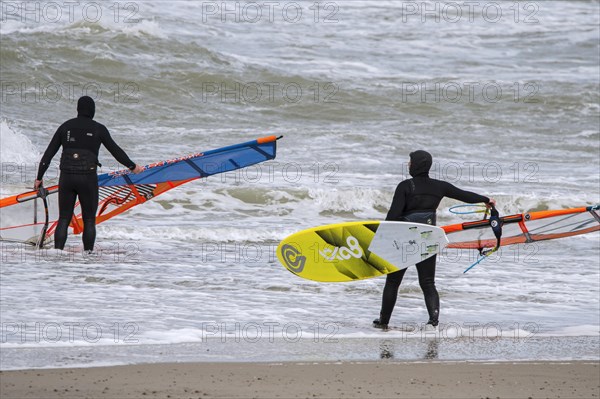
{"x":86,"y":107}
{"x":420,"y":163}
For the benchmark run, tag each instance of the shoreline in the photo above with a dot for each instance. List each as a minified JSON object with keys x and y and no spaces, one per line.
{"x":381,"y":379}
{"x":387,"y":347}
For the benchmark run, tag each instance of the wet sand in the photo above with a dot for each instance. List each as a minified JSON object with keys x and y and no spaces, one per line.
{"x":574,"y":379}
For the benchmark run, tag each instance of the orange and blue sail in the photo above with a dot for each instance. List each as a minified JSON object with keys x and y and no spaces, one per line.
{"x":22,"y":220}
{"x":526,"y":228}
{"x":523,"y":228}
{"x":198,"y":165}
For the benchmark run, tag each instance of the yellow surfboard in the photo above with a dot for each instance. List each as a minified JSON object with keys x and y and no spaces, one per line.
{"x":358,"y":250}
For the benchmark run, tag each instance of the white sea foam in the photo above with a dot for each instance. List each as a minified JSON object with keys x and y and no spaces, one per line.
{"x":205,"y":252}
{"x":15,"y":146}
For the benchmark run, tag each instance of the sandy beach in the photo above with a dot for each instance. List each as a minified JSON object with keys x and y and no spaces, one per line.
{"x":310,"y":380}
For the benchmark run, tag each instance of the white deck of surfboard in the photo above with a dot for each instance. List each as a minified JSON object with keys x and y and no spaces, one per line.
{"x":404,"y":244}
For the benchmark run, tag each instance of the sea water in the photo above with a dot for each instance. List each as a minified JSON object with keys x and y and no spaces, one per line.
{"x":504,"y":95}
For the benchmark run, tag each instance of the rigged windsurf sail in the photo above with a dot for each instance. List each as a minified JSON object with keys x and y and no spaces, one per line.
{"x":22,"y":217}
{"x":525,"y":228}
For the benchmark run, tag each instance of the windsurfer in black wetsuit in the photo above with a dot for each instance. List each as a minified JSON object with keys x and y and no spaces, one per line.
{"x":80,"y":138}
{"x":416,"y":200}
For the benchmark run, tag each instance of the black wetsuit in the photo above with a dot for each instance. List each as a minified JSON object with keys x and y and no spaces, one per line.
{"x":416,"y":200}
{"x":80,"y":138}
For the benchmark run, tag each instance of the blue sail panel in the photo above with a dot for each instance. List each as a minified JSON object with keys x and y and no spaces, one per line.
{"x":198,"y":165}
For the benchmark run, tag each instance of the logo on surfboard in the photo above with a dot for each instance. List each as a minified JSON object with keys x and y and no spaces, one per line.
{"x":293,"y":258}
{"x":343,"y":253}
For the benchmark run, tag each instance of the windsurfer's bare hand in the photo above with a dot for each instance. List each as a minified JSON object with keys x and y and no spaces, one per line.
{"x":491,"y":203}
{"x":138,"y":169}
{"x":37,"y":184}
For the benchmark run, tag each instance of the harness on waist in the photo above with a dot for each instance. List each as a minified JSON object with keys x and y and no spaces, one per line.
{"x":78,"y":160}
{"x":425,"y":217}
